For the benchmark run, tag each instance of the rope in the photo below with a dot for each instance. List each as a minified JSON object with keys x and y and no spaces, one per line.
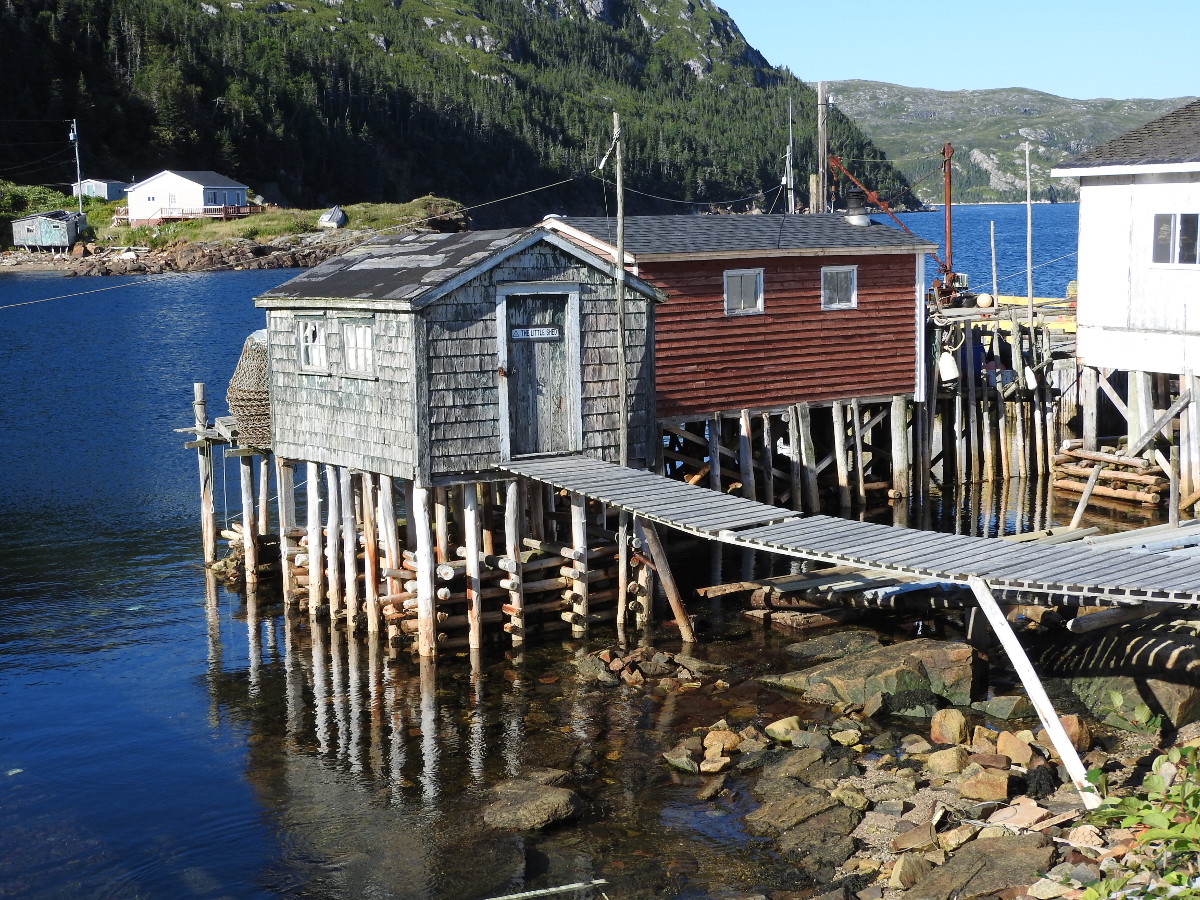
{"x":755,"y":196}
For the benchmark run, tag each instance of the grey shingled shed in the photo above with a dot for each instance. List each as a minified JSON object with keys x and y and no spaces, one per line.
{"x":434,"y":356}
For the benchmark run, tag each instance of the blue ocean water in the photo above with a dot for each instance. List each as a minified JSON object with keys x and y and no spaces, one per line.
{"x":1055,"y":244}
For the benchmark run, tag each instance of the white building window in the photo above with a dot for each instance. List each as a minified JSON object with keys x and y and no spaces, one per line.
{"x":310,"y":338}
{"x":743,"y":292}
{"x":1175,"y":238}
{"x":358,"y":347}
{"x":839,"y":287}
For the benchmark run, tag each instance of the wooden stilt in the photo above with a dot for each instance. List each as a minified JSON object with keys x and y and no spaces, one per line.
{"x":349,"y":543}
{"x":808,"y":458}
{"x":487,"y":506}
{"x":512,"y":540}
{"x":623,"y":536}
{"x":264,"y":494}
{"x":1141,"y":409}
{"x":649,"y":536}
{"x":418,"y":523}
{"x":333,"y":543}
{"x":579,"y":581}
{"x":249,"y":530}
{"x":840,"y":453}
{"x":714,"y":453}
{"x":208,"y":515}
{"x":900,"y":458}
{"x":316,"y":579}
{"x":285,"y":488}
{"x":1193,"y":417}
{"x":441,"y":525}
{"x":746,"y":456}
{"x":390,"y":540}
{"x":768,"y":459}
{"x":969,"y":372}
{"x":370,"y":554}
{"x":1173,"y":503}
{"x":860,"y":474}
{"x":471,"y":535}
{"x":797,"y":484}
{"x":645,"y":589}
{"x":410,"y":528}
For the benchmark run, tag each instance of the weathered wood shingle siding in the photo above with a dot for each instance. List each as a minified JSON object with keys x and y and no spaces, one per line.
{"x":363,"y":423}
{"x":462,"y":361}
{"x":794,"y":351}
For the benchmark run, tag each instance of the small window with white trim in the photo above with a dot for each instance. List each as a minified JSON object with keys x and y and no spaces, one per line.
{"x":310,"y":340}
{"x":839,"y":287}
{"x":358,"y":347}
{"x":1175,"y":239}
{"x":743,"y":292}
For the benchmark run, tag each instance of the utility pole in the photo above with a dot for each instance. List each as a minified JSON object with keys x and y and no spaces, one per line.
{"x":74,"y":137}
{"x":818,"y":203}
{"x":789,"y":175}
{"x":622,"y":374}
{"x":1029,"y":239}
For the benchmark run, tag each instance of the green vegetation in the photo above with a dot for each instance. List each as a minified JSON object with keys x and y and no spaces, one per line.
{"x":1165,"y":816}
{"x":988,"y":130}
{"x":20,"y":200}
{"x":312,"y":103}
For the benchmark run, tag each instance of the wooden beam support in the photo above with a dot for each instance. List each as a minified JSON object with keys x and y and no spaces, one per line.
{"x":316,"y":580}
{"x":1034,"y":690}
{"x":647,"y":533}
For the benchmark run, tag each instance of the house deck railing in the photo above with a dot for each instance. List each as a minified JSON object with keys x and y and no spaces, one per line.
{"x":181,"y":213}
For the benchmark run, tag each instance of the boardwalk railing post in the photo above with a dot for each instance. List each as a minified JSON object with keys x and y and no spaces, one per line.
{"x":1035,"y":691}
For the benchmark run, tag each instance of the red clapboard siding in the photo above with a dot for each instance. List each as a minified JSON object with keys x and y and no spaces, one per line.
{"x":709,"y":362}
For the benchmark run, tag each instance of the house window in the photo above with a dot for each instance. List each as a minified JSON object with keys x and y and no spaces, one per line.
{"x":358,"y":347}
{"x":310,"y":335}
{"x":743,"y":292}
{"x":1175,"y":238}
{"x":839,"y":287}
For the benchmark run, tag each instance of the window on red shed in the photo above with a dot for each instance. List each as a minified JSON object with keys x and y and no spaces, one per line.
{"x":743,"y":291}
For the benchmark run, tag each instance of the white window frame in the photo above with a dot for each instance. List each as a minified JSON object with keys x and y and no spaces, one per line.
{"x":827,"y":302}
{"x":312,"y":347}
{"x":358,"y":347}
{"x":757,"y":309}
{"x":1174,"y":249}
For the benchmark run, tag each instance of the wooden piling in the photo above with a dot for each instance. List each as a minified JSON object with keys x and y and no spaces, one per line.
{"x":316,"y":581}
{"x":714,"y":452}
{"x":471,"y":538}
{"x":746,"y":456}
{"x":349,"y":542}
{"x":900,"y":458}
{"x":419,"y":524}
{"x":512,"y":540}
{"x":249,"y":529}
{"x":840,"y":452}
{"x":370,"y":554}
{"x":285,"y":489}
{"x":333,"y":542}
{"x":768,"y":459}
{"x":208,"y":514}
{"x":808,"y":458}
{"x":859,"y":464}
{"x":579,"y":580}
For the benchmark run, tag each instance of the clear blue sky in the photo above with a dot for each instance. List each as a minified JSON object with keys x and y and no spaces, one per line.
{"x":1075,"y":49}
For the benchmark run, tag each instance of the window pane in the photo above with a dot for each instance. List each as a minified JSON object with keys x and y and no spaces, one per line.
{"x":742,"y":292}
{"x":1162,"y":238}
{"x":837,"y":288}
{"x":358,"y":347}
{"x":1187,"y":238}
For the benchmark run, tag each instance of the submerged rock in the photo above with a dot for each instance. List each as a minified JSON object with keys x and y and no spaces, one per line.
{"x":529,"y":805}
{"x":985,"y":867}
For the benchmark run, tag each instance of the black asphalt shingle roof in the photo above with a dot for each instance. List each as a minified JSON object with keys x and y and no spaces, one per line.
{"x":653,"y":235}
{"x":398,"y":267}
{"x":204,"y":178}
{"x":1173,"y":138}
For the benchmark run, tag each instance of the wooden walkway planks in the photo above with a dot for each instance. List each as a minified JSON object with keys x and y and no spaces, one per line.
{"x":1118,"y":575}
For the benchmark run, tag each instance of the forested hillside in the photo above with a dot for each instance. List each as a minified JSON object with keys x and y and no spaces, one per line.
{"x":383,"y":100}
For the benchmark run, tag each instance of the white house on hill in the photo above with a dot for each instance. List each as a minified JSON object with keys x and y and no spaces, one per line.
{"x":186,"y":195}
{"x":1139,"y":268}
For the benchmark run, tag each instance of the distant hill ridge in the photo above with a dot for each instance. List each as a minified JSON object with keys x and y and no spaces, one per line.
{"x":988,"y":129}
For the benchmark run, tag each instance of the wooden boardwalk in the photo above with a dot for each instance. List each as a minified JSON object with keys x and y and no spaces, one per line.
{"x":1116,"y":576}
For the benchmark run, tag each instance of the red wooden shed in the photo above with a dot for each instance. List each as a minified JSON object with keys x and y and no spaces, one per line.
{"x":766,"y":311}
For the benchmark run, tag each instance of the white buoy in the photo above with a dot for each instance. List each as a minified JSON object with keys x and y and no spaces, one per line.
{"x":984,"y":301}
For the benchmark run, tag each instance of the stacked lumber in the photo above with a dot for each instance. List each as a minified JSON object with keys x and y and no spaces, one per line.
{"x":1112,"y":476}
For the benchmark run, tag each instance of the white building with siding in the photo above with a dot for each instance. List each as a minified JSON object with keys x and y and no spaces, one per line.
{"x":1139,"y":268}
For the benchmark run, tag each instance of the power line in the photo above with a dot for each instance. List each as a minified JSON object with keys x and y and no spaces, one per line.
{"x":756,"y":196}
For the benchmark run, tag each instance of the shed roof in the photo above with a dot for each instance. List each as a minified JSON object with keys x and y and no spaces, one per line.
{"x":59,"y":215}
{"x":665,"y":237}
{"x":1170,"y":139}
{"x":203,"y":178}
{"x":412,"y":270}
